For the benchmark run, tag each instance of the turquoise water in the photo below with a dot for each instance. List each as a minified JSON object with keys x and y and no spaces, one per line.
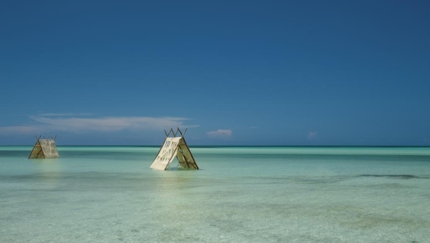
{"x":241,"y":194}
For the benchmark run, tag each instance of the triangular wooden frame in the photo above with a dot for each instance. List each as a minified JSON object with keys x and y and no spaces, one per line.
{"x":174,"y":147}
{"x":44,"y":149}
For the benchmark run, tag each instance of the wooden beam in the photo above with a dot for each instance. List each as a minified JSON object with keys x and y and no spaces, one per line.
{"x":179,"y":130}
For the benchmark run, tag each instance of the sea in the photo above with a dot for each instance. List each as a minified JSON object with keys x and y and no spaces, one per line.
{"x":240,"y":194}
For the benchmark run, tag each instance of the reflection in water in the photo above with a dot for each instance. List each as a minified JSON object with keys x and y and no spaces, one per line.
{"x":48,"y":171}
{"x":172,"y":193}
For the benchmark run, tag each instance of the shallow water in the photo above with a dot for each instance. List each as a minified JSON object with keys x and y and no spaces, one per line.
{"x":241,"y":194}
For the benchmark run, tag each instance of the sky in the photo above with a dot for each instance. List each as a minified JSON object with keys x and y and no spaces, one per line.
{"x":311,"y":73}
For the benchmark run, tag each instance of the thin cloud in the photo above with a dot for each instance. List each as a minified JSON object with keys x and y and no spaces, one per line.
{"x":65,"y":114}
{"x":220,"y":133}
{"x":312,"y":135}
{"x":99,"y":124}
{"x":21,"y":129}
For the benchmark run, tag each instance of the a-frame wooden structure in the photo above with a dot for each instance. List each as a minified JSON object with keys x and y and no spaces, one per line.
{"x":174,"y":147}
{"x":44,"y":149}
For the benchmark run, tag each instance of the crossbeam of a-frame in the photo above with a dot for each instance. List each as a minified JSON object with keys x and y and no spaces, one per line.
{"x":175,"y":133}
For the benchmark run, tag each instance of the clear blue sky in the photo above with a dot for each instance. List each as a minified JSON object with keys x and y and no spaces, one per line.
{"x":233,"y":72}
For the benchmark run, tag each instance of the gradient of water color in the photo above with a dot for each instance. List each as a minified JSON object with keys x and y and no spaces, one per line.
{"x":241,"y":194}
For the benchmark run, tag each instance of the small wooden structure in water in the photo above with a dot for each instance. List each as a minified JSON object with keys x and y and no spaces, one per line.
{"x":44,"y":149}
{"x":174,"y":147}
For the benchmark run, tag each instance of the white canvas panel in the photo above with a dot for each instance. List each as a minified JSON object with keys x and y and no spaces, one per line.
{"x":166,"y":154}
